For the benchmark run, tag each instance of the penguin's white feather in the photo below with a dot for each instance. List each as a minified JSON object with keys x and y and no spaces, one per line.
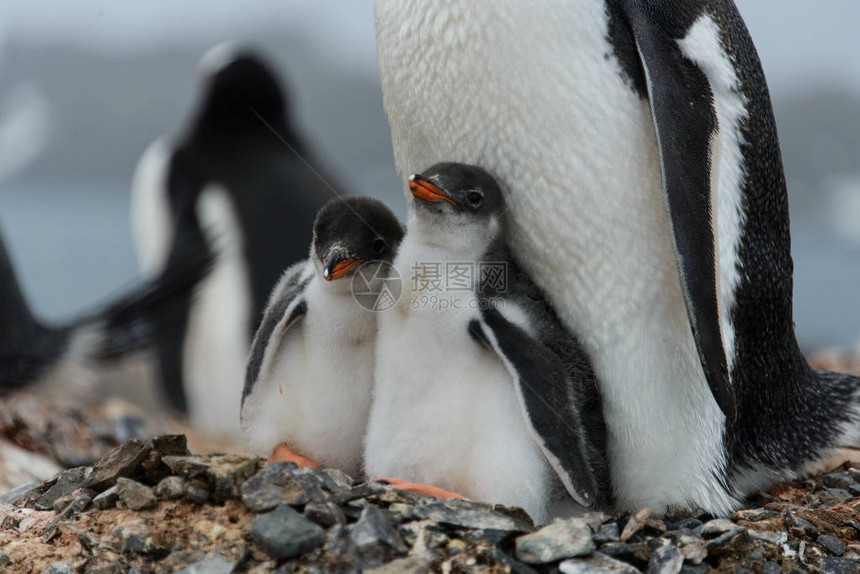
{"x":218,"y":335}
{"x":150,"y":209}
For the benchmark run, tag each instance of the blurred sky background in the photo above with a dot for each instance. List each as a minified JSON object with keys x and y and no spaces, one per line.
{"x":92,"y":82}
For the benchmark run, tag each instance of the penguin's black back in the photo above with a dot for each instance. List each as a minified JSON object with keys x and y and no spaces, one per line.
{"x":787,"y":412}
{"x":240,"y":140}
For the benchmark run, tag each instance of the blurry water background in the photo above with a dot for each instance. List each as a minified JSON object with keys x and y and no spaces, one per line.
{"x":93,"y":82}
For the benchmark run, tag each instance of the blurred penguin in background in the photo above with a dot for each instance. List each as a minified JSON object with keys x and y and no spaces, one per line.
{"x":68,"y":358}
{"x":242,"y":166}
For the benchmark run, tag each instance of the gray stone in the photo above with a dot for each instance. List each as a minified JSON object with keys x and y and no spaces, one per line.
{"x":494,"y":537}
{"x":831,"y":565}
{"x":17,"y":494}
{"x":631,"y":553}
{"x":777,"y":538}
{"x":692,"y":548}
{"x":72,"y":510}
{"x":697,"y":569}
{"x":326,"y":514}
{"x":562,"y":539}
{"x":607,"y":533}
{"x":67,"y":482}
{"x":635,"y":524}
{"x":134,"y":539}
{"x":718,"y":527}
{"x":124,"y":460}
{"x":197,"y":491}
{"x":755,"y":514}
{"x":4,"y":559}
{"x":832,"y":544}
{"x":210,"y":565}
{"x":401,"y":512}
{"x":223,"y":472}
{"x":409,"y":565}
{"x":665,"y":560}
{"x":839,"y":480}
{"x":793,"y":521}
{"x":57,"y":568}
{"x":374,"y":536}
{"x":134,"y":495}
{"x":834,"y":496}
{"x":284,"y":533}
{"x":477,"y":517}
{"x":772,"y":568}
{"x":280,"y":483}
{"x":170,"y":488}
{"x":597,"y":563}
{"x":686,"y":524}
{"x":106,"y":499}
{"x":61,"y":503}
{"x":341,"y":551}
{"x":515,"y":566}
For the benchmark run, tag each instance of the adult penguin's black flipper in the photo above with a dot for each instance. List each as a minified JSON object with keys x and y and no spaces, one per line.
{"x":683,"y":108}
{"x":548,"y":401}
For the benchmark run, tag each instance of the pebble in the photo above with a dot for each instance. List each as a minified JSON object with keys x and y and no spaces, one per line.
{"x":839,"y":480}
{"x":666,"y":559}
{"x":120,"y":462}
{"x":67,"y":482}
{"x":326,"y":514}
{"x":607,"y":533}
{"x":211,"y":565}
{"x":718,"y":527}
{"x":4,"y":559}
{"x":777,"y":538}
{"x":135,"y":496}
{"x":596,"y":564}
{"x":375,"y":538}
{"x":562,"y":539}
{"x":630,"y":553}
{"x":793,"y":521}
{"x":225,"y":473}
{"x":447,"y":512}
{"x":277,"y":484}
{"x":135,"y":539}
{"x":170,"y":488}
{"x":697,"y":569}
{"x":58,"y":568}
{"x":197,"y":491}
{"x":755,"y":514}
{"x":832,"y":544}
{"x":771,"y":568}
{"x":635,"y":523}
{"x":106,"y":499}
{"x":839,"y":566}
{"x":409,"y":565}
{"x":284,"y":533}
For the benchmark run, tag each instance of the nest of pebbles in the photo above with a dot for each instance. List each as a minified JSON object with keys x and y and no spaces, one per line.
{"x":152,"y":506}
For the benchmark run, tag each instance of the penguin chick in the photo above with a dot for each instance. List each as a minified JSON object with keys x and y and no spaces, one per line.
{"x":309,"y":376}
{"x":478,"y":388}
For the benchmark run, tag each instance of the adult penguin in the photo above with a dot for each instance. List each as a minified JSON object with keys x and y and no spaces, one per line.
{"x":243,"y":166}
{"x":637,"y":145}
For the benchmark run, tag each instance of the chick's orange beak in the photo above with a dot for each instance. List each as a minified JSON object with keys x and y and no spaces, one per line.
{"x":427,"y":191}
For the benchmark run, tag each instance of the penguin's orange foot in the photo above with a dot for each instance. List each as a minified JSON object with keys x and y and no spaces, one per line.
{"x":283,"y":453}
{"x":424,"y":489}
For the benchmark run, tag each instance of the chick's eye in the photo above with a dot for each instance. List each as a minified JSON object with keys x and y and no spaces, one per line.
{"x":474,"y":199}
{"x":378,"y":246}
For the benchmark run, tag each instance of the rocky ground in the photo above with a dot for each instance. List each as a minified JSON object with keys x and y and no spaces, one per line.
{"x":128,"y":499}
